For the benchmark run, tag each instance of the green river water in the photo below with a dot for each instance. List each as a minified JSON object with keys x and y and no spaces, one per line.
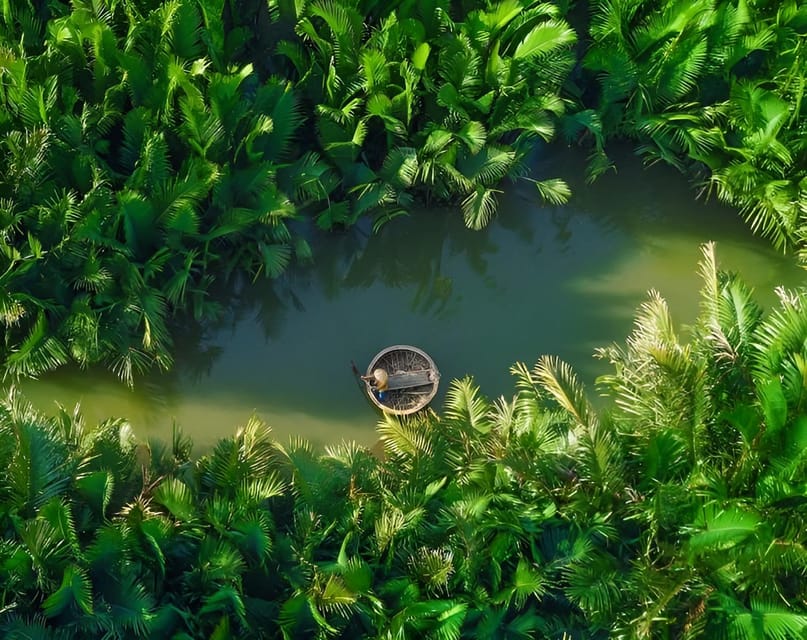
{"x":539,"y":280}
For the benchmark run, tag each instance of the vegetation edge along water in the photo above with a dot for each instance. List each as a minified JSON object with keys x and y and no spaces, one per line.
{"x":158,"y":152}
{"x":153,"y":151}
{"x":676,"y":509}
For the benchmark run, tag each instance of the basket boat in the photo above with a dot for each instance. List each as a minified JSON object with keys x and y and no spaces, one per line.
{"x":412,"y":379}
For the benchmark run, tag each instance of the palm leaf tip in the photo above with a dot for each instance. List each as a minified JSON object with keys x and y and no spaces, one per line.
{"x":554,"y":190}
{"x":479,"y":207}
{"x":75,"y":590}
{"x":544,"y":38}
{"x":559,"y":379}
{"x":465,"y":405}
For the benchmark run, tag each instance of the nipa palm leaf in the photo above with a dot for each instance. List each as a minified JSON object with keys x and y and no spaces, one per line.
{"x":465,"y":406}
{"x":479,"y":207}
{"x":74,"y":592}
{"x":40,"y":351}
{"x":545,"y":38}
{"x":553,"y":190}
{"x":560,"y":381}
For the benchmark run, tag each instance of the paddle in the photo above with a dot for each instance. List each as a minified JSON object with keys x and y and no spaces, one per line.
{"x":361,"y":384}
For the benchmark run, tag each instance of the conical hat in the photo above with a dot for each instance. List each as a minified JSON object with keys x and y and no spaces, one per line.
{"x":380,"y":376}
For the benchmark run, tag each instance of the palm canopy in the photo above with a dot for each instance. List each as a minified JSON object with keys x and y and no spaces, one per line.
{"x":674,"y":508}
{"x":715,"y":89}
{"x":156,"y":151}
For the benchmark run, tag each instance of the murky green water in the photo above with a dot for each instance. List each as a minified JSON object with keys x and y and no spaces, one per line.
{"x":539,"y":280}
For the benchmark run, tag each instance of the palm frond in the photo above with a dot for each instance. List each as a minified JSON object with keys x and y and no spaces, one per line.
{"x":96,"y":487}
{"x":201,"y":129}
{"x":225,"y":601}
{"x":37,"y":471}
{"x":48,"y":551}
{"x":766,"y":620}
{"x":544,"y":38}
{"x":284,"y":109}
{"x":432,"y":568}
{"x":781,"y":334}
{"x":473,"y":134}
{"x":528,"y":581}
{"x":560,"y":381}
{"x":681,"y":69}
{"x":236,"y":460}
{"x":276,"y":258}
{"x":487,"y":167}
{"x":707,"y":269}
{"x":392,"y":524}
{"x":40,"y":351}
{"x":12,"y":307}
{"x":460,"y":66}
{"x":335,"y":597}
{"x":574,"y":125}
{"x":346,"y":30}
{"x":595,"y":588}
{"x":108,"y":548}
{"x":128,"y":362}
{"x":75,"y":591}
{"x":401,"y":166}
{"x":479,"y":207}
{"x":253,"y":536}
{"x":403,"y":438}
{"x":553,"y":190}
{"x":465,"y":406}
{"x":177,"y":498}
{"x":256,"y":491}
{"x":29,"y":628}
{"x":185,"y":35}
{"x":739,"y":315}
{"x":719,"y":529}
{"x":375,"y":69}
{"x":130,"y":605}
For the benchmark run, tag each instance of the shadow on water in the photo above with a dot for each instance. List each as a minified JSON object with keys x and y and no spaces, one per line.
{"x":539,"y":280}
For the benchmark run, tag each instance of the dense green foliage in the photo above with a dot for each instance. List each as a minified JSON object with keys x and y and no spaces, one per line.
{"x":138,"y":170}
{"x":155,"y":151}
{"x":677,"y":510}
{"x":716,"y":88}
{"x":151,"y":148}
{"x":411,"y":101}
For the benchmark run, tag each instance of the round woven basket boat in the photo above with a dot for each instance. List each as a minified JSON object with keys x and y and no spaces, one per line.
{"x":413,"y":379}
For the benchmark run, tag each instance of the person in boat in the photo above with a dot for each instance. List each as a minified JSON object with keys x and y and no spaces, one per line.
{"x":379,"y":382}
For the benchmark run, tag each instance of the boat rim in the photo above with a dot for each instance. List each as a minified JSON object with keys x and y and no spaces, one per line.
{"x":427,"y":398}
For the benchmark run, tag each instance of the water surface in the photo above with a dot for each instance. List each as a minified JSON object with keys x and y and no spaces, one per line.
{"x":539,"y":280}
